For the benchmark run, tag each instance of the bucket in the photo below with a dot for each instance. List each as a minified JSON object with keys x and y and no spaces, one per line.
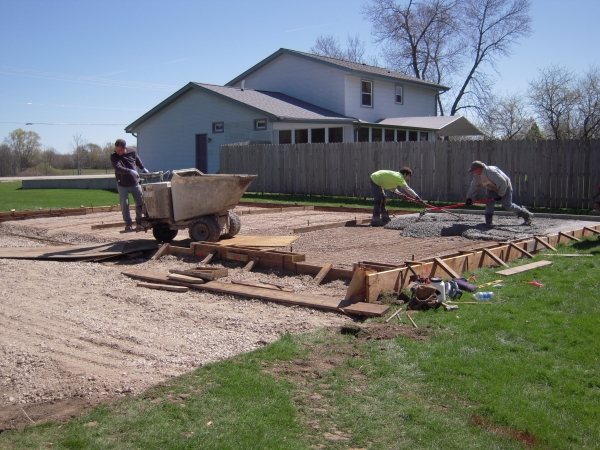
{"x":440,"y":286}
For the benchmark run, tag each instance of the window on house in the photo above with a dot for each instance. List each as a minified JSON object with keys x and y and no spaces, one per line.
{"x":317,"y":135}
{"x":413,"y":136}
{"x":218,"y":127}
{"x":260,"y":124}
{"x":389,"y":136}
{"x":301,"y":136}
{"x":363,"y":135}
{"x":399,"y":96}
{"x":376,"y":135}
{"x":424,"y":136}
{"x":336,"y":134}
{"x":285,"y":136}
{"x":367,"y":93}
{"x":401,"y":135}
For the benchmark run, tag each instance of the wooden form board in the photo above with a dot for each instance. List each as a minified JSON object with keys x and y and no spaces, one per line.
{"x":397,"y":278}
{"x":326,"y":226}
{"x":292,"y":298}
{"x":270,"y":210}
{"x":524,"y":268}
{"x":266,"y":258}
{"x":19,"y":215}
{"x":258,"y":241}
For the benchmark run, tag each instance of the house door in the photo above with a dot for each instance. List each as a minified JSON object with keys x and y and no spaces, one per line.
{"x":201,"y":153}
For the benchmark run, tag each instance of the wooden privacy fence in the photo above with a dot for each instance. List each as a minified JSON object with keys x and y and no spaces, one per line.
{"x":553,"y":174}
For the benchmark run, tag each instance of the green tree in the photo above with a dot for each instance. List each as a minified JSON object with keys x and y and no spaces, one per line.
{"x":25,"y":145}
{"x":534,"y":133}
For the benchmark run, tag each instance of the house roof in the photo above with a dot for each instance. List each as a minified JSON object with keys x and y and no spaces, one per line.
{"x":443,"y":125}
{"x":275,"y":105}
{"x":360,"y":68}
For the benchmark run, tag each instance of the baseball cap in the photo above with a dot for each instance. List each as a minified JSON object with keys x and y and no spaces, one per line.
{"x":476,"y":165}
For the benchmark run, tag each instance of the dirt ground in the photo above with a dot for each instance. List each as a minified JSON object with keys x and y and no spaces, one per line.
{"x":76,"y":333}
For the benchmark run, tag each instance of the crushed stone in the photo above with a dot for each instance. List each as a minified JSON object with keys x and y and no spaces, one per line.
{"x":471,"y":226}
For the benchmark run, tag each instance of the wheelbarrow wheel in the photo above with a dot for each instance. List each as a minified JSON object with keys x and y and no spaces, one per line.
{"x":162,"y":233}
{"x":205,"y":229}
{"x":235,"y":225}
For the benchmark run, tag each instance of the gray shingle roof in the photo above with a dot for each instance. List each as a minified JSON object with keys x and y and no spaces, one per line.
{"x":349,"y":65}
{"x":275,"y":103}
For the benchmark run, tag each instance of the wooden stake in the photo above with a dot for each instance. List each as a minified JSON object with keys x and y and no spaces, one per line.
{"x":572,"y":238}
{"x":164,"y":249}
{"x":545,"y":244}
{"x":248,"y":267}
{"x":446,"y":268}
{"x":591,"y":230}
{"x":412,"y":321}
{"x":494,"y":257}
{"x":393,"y":315}
{"x":519,"y":249}
{"x":208,"y":257}
{"x":323,"y":273}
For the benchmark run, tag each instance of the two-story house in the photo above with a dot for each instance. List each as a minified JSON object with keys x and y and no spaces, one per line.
{"x":291,"y":98}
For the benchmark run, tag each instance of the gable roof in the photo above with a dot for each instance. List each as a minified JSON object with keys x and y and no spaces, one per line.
{"x":275,"y":105}
{"x":443,"y":125}
{"x":351,"y":66}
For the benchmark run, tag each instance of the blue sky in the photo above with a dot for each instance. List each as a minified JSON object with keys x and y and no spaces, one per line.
{"x":89,"y":68}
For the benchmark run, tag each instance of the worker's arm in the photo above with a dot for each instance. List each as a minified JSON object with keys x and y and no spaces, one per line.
{"x":410,"y":192}
{"x":140,"y":164}
{"x":475,"y":185}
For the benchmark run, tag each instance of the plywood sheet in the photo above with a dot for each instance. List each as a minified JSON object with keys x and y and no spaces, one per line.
{"x":259,"y":241}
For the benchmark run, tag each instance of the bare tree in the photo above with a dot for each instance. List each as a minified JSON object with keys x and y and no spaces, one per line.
{"x":588,"y":104}
{"x":25,"y":145}
{"x":450,"y":42}
{"x":48,"y":158}
{"x":553,"y":96}
{"x":507,"y":118}
{"x":354,"y":51}
{"x":80,"y":153}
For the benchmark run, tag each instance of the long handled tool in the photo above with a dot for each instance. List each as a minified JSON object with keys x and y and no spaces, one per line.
{"x":399,"y":194}
{"x":458,"y":205}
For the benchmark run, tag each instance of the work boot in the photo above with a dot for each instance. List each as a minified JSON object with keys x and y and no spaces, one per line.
{"x":489,"y":220}
{"x":385,"y":216}
{"x":526,"y":216}
{"x":376,"y":221}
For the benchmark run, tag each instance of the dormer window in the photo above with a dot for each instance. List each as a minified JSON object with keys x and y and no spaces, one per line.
{"x":399,"y":96}
{"x":366,"y":93}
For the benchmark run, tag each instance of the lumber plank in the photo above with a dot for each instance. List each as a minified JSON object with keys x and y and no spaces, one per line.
{"x":545,"y":244}
{"x":164,"y":287}
{"x":446,"y":268}
{"x":164,"y":249}
{"x":494,"y":257}
{"x":521,"y":250}
{"x":323,"y":273}
{"x":569,"y":255}
{"x":263,"y":285}
{"x":524,"y":268}
{"x":185,"y":278}
{"x":326,"y":226}
{"x":236,"y":257}
{"x":571,"y":238}
{"x":154,"y":277}
{"x":204,"y":275}
{"x":248,"y":267}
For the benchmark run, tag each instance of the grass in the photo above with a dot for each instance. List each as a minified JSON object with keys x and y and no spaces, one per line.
{"x":12,"y":196}
{"x":522,"y":372}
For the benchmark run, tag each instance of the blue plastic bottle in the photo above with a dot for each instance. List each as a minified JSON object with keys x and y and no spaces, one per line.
{"x":483,"y":295}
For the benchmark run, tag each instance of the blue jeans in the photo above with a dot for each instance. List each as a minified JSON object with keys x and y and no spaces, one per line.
{"x":136,"y":191}
{"x":506,"y":202}
{"x":377,"y":192}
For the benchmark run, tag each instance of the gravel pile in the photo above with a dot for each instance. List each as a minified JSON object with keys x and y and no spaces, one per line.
{"x":470,"y":226}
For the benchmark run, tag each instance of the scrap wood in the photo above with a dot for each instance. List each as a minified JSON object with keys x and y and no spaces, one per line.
{"x":275,"y":287}
{"x":164,"y":287}
{"x":302,"y":299}
{"x":545,"y":244}
{"x":248,"y":267}
{"x":323,"y":273}
{"x":164,"y":249}
{"x":494,"y":257}
{"x":398,"y":311}
{"x":185,"y":278}
{"x":205,"y":275}
{"x":412,"y":321}
{"x":524,"y":268}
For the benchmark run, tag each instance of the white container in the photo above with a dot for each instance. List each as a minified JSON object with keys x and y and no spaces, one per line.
{"x":439,"y":284}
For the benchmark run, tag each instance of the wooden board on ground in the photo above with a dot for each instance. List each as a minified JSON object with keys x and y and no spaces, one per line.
{"x":263,"y":285}
{"x":85,"y":252}
{"x":524,"y":268}
{"x":569,"y":255}
{"x":326,"y":226}
{"x":292,"y":298}
{"x":258,"y":241}
{"x":185,"y":278}
{"x":208,"y":275}
{"x":102,"y":226}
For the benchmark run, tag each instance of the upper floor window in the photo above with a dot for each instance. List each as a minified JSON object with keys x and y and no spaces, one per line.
{"x":399,"y":96}
{"x":366,"y":93}
{"x":260,"y":124}
{"x":218,"y":127}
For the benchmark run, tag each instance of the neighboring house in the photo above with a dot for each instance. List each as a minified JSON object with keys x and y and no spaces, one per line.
{"x":292,"y":97}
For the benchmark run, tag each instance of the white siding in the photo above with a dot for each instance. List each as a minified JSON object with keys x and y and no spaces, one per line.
{"x":418,"y":102}
{"x":167,"y":140}
{"x":306,"y":80}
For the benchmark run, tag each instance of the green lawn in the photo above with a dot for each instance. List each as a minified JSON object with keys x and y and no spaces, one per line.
{"x":523,"y":372}
{"x":13,"y":197}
